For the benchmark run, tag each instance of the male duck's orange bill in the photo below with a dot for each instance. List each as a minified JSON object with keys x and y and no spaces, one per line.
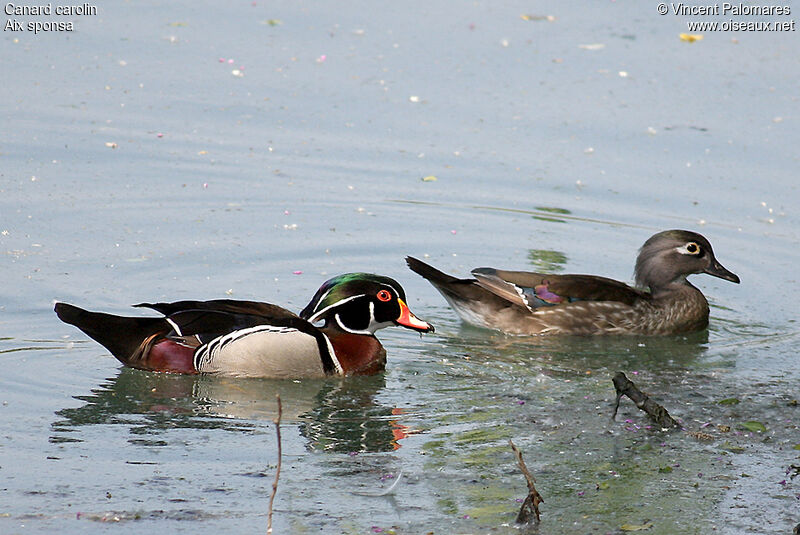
{"x":409,"y":320}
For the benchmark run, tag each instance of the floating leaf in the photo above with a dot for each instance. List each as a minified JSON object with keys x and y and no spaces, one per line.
{"x":636,"y":527}
{"x":690,"y":38}
{"x":796,"y":447}
{"x":548,"y":18}
{"x":755,"y":427}
{"x":552,"y":210}
{"x":603,"y":486}
{"x":665,"y":470}
{"x":727,"y":446}
{"x":547,"y":261}
{"x":728,"y":401}
{"x":429,"y":178}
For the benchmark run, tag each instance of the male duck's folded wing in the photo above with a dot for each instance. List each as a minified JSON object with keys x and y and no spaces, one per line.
{"x":209,"y":319}
{"x":231,"y":306}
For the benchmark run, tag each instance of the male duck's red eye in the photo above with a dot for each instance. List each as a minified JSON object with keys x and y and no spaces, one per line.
{"x":384,"y":296}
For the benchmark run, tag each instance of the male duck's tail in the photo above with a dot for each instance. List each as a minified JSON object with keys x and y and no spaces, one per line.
{"x":127,"y":338}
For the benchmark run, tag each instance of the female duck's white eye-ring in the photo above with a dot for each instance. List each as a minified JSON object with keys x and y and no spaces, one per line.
{"x":690,"y":248}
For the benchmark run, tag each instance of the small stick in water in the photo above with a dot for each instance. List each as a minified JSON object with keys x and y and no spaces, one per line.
{"x":530,"y":507}
{"x":277,"y":422}
{"x":659,"y":414}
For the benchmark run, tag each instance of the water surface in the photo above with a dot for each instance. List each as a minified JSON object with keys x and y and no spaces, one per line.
{"x":137,"y":166}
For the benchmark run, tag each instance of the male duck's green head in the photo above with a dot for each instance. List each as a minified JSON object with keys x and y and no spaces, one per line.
{"x":362,"y":303}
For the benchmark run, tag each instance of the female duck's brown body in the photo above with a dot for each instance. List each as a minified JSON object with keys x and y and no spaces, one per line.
{"x":519,"y":302}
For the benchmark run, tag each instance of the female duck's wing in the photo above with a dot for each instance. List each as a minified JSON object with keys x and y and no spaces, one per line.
{"x":534,"y":290}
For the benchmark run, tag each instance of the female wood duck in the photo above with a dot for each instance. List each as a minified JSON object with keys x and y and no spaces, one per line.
{"x":520,"y":302}
{"x":251,"y":339}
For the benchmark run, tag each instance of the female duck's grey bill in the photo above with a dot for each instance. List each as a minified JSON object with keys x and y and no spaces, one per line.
{"x":718,"y":270}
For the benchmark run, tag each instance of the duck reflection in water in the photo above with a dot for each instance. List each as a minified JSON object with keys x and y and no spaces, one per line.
{"x":339,"y":416}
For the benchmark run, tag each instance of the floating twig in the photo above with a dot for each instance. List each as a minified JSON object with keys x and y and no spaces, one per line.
{"x":277,"y":422}
{"x":530,"y":506}
{"x":626,"y":387}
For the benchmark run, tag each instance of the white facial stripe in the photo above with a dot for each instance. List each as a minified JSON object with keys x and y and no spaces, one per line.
{"x":373,"y":322}
{"x":316,"y":316}
{"x":322,"y":298}
{"x":371,"y":328}
{"x":395,"y":290}
{"x":346,"y":329}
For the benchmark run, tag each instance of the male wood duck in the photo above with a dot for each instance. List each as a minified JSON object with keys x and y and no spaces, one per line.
{"x":251,"y":339}
{"x":520,"y":302}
